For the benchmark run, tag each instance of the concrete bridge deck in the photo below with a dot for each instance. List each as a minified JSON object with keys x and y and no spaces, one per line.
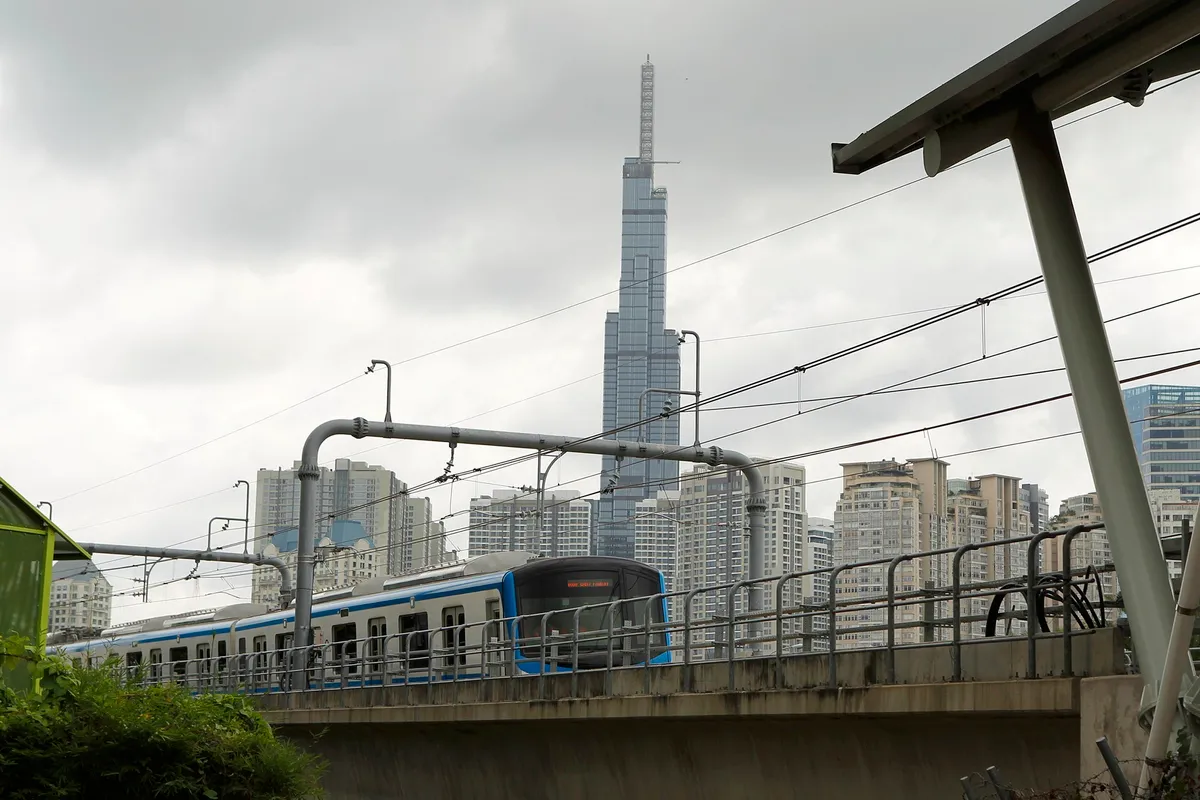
{"x":683,"y":731}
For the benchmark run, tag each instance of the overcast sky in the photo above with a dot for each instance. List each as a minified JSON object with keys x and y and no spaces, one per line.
{"x":210,"y":212}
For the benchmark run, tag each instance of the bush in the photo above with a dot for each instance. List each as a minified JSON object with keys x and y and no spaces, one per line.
{"x":89,"y":736}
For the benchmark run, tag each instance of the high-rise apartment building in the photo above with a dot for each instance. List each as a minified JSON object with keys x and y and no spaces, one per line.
{"x":890,"y":509}
{"x":656,"y":528}
{"x":1090,"y":547}
{"x":399,"y":525}
{"x":878,"y":515}
{"x":1165,"y":423}
{"x":346,"y":556}
{"x":640,"y":353}
{"x":421,"y":540}
{"x":508,"y":520}
{"x":80,"y":598}
{"x":1036,"y":502}
{"x":712,"y":540}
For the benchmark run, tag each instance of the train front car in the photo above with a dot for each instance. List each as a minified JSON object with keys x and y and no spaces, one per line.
{"x":599,"y":594}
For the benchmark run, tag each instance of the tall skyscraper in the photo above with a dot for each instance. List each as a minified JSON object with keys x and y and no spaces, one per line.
{"x":640,"y":352}
{"x":1165,"y":421}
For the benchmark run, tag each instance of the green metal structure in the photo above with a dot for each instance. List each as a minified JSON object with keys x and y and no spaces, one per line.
{"x":29,"y":545}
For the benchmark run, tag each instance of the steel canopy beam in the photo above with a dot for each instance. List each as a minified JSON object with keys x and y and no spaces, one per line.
{"x":360,"y":428}
{"x":1063,"y":65}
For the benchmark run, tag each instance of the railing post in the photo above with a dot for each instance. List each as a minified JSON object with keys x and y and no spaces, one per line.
{"x":929,"y":613}
{"x":544,"y":624}
{"x":649,"y":617}
{"x":833,"y":576}
{"x":778,"y":679}
{"x":687,"y":640}
{"x":1031,"y":594}
{"x":1068,"y":579}
{"x":956,"y":612}
{"x":891,"y":614}
{"x":611,"y":611}
{"x":575,"y":654}
{"x":732,"y":651}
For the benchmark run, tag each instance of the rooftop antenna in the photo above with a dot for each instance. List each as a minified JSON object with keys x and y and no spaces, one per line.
{"x":646,"y":145}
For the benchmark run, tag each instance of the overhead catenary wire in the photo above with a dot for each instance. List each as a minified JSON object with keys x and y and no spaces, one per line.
{"x":593,"y":298}
{"x":240,"y":571}
{"x":837,"y":402}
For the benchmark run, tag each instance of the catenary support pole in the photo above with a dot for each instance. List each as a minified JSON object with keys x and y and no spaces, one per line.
{"x":286,"y":591}
{"x":246,"y":540}
{"x":360,"y":428}
{"x":682,"y":338}
{"x":1136,"y":552}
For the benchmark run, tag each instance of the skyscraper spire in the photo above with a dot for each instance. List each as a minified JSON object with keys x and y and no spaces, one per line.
{"x":646,"y":148}
{"x":641,"y":354}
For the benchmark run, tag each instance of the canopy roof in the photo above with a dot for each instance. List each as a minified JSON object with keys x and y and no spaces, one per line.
{"x":1093,"y":50}
{"x":18,"y":514}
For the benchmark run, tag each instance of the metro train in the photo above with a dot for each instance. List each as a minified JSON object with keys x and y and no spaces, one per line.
{"x":379,"y":631}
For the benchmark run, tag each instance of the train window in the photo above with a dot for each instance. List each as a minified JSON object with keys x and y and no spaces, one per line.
{"x":344,"y":644}
{"x":133,"y":658}
{"x":156,"y":663}
{"x":178,"y":657}
{"x":221,"y":655}
{"x":418,"y":642}
{"x":78,"y":662}
{"x":377,"y":645}
{"x":561,"y":591}
{"x":241,"y":645}
{"x":453,"y":617}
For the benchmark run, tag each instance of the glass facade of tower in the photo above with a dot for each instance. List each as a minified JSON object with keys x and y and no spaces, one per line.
{"x":640,"y":353}
{"x":1165,"y":422}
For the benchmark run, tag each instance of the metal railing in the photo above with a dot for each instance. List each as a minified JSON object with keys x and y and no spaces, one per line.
{"x":632,"y":633}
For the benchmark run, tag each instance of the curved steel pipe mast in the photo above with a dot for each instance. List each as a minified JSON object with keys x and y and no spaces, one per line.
{"x":360,"y":428}
{"x":286,"y":589}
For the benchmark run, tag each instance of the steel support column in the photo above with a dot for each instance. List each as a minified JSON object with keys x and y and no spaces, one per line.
{"x":1136,"y":552}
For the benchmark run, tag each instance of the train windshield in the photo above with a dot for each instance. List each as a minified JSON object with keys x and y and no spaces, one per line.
{"x":566,"y":590}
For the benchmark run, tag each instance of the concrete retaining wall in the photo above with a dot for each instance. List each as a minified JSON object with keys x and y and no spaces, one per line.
{"x":597,"y":736}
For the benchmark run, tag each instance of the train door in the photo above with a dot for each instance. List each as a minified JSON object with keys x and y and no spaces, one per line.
{"x":204,"y":663}
{"x":222,"y":660}
{"x":260,"y":659}
{"x":133,"y":665}
{"x":282,"y":657}
{"x":377,"y":645}
{"x":345,"y":647}
{"x":454,"y":638}
{"x":493,"y":636}
{"x":156,"y":670}
{"x":414,"y":640}
{"x":178,"y":656}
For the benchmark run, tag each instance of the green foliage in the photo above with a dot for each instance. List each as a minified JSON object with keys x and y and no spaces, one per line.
{"x":88,"y":735}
